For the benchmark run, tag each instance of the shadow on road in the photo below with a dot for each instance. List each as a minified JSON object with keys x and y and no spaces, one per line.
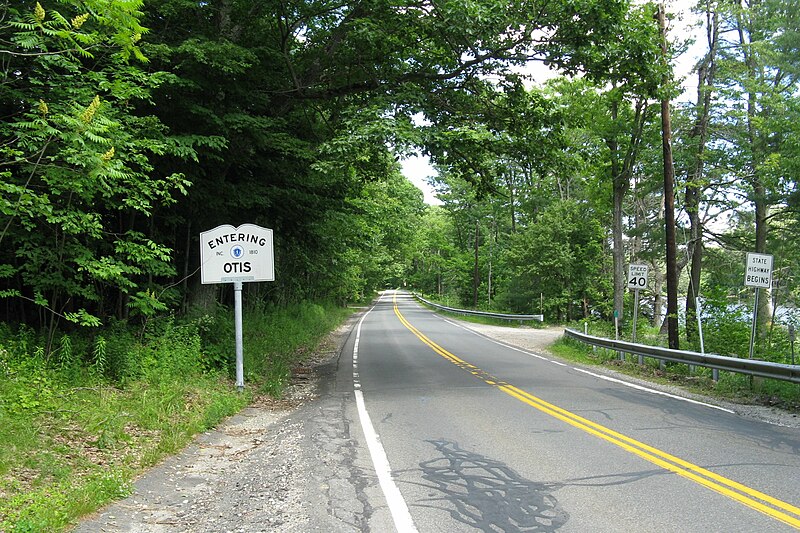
{"x":488,"y":495}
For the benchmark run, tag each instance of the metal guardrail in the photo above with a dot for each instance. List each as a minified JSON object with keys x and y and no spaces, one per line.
{"x":753,"y":367}
{"x":503,"y":316}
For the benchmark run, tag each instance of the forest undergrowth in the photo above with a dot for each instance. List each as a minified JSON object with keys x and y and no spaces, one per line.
{"x":78,"y":424}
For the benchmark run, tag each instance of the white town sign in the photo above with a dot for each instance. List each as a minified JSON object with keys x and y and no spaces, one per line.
{"x":229,"y":254}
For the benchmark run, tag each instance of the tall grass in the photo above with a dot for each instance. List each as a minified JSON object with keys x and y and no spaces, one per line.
{"x":274,"y":340}
{"x":76,"y":425}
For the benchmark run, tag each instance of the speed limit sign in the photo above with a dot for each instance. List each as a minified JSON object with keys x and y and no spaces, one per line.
{"x":637,"y":277}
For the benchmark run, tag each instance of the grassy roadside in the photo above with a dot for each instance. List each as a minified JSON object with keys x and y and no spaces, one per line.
{"x":78,"y":425}
{"x":736,"y":388}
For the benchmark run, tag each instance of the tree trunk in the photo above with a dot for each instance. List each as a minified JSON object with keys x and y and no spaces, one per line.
{"x":757,"y":151}
{"x":669,"y":200}
{"x":695,"y":251}
{"x":489,"y":279}
{"x":439,"y":274}
{"x":492,"y":239}
{"x":510,"y":183}
{"x":476,"y":271}
{"x":658,"y":298}
{"x":693,"y":194}
{"x":186,"y":263}
{"x":621,"y":172}
{"x":762,"y":229}
{"x":620,"y":187}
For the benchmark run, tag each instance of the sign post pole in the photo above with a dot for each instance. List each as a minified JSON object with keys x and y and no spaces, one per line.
{"x":635,"y":319}
{"x":635,"y":312}
{"x":753,"y":329}
{"x":237,"y":313}
{"x":699,"y":311}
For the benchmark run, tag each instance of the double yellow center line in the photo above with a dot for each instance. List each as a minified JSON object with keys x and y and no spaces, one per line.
{"x":772,"y":507}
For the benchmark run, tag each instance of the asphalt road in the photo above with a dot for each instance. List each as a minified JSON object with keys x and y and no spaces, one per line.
{"x":479,"y":436}
{"x":420,"y":424}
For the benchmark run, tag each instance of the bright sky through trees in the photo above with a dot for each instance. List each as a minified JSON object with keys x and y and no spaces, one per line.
{"x":418,"y":168}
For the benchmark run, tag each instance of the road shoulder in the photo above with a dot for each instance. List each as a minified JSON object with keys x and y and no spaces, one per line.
{"x":254,"y":472}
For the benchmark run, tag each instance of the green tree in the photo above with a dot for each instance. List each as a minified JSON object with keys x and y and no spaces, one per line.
{"x":434,"y":252}
{"x":78,"y":180}
{"x":559,"y":257}
{"x":757,"y":88}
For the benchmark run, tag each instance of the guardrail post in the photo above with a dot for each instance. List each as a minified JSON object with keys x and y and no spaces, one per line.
{"x":586,"y":332}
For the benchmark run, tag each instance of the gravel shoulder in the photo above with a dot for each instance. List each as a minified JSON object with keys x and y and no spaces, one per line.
{"x":255,"y":472}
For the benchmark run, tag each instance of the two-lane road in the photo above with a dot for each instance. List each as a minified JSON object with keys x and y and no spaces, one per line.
{"x":470,"y":434}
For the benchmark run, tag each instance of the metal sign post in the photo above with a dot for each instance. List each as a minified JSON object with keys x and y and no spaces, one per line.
{"x":699,"y":312}
{"x":635,"y":312}
{"x":637,"y":280}
{"x":753,"y":328}
{"x":235,"y":255}
{"x":237,"y":314}
{"x":758,"y":274}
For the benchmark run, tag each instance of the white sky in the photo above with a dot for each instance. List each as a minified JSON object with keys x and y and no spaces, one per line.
{"x":418,"y":168}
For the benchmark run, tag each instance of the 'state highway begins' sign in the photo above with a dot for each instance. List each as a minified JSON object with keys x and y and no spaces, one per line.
{"x":758,"y":270}
{"x":229,"y":254}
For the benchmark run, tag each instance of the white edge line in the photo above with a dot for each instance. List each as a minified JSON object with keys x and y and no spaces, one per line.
{"x":394,"y":499}
{"x":510,"y":347}
{"x":653,"y":391}
{"x":614,"y":380}
{"x":397,"y":505}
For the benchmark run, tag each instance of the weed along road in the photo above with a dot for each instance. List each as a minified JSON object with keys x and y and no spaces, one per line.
{"x":473,"y":435}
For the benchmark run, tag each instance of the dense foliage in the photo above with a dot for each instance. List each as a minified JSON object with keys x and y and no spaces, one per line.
{"x":130,"y":127}
{"x":550,"y":190}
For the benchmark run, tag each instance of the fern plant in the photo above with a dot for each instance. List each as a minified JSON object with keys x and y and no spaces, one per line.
{"x":100,"y":354}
